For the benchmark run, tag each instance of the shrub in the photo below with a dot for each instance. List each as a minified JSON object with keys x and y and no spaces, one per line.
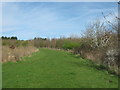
{"x":70,"y":45}
{"x":17,"y":43}
{"x":25,"y":43}
{"x":59,"y":43}
{"x":4,"y":43}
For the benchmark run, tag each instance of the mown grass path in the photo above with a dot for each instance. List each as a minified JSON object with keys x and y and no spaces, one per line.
{"x":55,"y":69}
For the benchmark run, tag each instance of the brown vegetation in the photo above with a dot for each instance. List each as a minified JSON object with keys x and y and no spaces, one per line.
{"x":13,"y":50}
{"x":10,"y":54}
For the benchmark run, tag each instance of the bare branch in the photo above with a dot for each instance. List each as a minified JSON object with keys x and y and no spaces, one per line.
{"x":111,"y":24}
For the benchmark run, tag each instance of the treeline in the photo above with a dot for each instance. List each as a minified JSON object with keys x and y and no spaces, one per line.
{"x":13,"y":37}
{"x":39,"y":38}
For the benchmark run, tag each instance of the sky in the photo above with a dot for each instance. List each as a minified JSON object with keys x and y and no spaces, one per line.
{"x":27,"y":20}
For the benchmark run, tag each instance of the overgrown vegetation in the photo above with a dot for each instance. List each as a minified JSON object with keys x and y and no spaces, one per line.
{"x":99,"y":43}
{"x":49,"y":68}
{"x":13,"y":50}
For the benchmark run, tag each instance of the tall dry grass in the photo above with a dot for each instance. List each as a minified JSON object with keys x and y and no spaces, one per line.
{"x":9,"y":54}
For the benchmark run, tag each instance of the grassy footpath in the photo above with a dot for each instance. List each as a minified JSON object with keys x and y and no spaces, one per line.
{"x":55,"y":69}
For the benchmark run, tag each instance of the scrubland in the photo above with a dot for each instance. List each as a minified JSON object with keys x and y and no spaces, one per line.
{"x":13,"y":50}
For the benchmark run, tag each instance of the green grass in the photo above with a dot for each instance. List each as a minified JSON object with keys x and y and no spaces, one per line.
{"x":55,"y":69}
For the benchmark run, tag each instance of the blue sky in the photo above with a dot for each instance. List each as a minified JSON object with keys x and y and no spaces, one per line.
{"x":27,"y":20}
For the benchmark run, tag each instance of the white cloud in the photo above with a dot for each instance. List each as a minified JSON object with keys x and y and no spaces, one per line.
{"x":41,"y":20}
